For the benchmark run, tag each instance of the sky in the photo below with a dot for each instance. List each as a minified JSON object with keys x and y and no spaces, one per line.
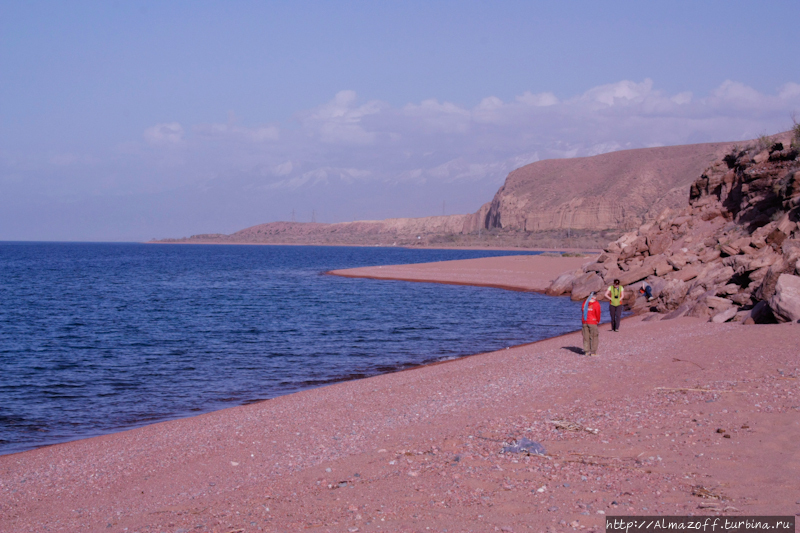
{"x":132,"y":120}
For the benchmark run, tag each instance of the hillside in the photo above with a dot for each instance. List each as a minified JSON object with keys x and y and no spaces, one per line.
{"x":579,"y":202}
{"x":617,"y":190}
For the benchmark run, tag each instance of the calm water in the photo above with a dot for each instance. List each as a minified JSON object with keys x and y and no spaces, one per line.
{"x":96,"y":338}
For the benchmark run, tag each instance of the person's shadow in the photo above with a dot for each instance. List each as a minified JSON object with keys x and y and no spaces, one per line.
{"x":573,"y":349}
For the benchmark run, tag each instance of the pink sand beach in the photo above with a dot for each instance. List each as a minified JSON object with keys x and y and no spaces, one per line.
{"x":674,"y":417}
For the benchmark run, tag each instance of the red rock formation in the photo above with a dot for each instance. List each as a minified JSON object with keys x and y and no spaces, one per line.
{"x":731,"y":254}
{"x":618,"y":190}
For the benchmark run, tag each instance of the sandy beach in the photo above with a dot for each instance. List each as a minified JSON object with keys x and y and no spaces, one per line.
{"x":520,"y":272}
{"x":674,"y":417}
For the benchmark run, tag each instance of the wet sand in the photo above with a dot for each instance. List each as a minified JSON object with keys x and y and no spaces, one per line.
{"x":691,"y":418}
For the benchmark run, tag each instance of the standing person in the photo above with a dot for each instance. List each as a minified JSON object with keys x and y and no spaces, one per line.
{"x":590,"y":317}
{"x":615,"y":293}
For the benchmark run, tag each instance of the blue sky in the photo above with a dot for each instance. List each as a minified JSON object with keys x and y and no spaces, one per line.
{"x":132,"y":120}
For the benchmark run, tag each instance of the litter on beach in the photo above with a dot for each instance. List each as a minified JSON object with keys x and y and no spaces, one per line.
{"x":525,"y":445}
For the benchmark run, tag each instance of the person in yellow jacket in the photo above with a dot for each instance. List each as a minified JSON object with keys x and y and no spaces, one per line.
{"x":615,"y":294}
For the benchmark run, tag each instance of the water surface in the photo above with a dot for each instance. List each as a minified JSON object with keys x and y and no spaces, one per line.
{"x":95,"y":338}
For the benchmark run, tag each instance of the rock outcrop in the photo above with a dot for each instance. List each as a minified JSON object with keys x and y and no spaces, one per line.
{"x":731,"y":254}
{"x":616,"y":190}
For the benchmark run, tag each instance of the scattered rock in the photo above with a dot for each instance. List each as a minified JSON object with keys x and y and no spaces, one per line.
{"x":785,"y":302}
{"x":725,"y":315}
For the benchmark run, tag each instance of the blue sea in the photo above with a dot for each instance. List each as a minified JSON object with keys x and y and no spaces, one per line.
{"x":101,"y":337}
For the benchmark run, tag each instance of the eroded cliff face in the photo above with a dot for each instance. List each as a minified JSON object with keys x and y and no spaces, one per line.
{"x":732,"y":254}
{"x":618,"y":190}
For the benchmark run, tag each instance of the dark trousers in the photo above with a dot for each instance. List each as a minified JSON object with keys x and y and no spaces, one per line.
{"x":616,"y":315}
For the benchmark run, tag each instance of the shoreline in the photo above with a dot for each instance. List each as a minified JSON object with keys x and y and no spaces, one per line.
{"x":420,"y":448}
{"x":588,"y":251}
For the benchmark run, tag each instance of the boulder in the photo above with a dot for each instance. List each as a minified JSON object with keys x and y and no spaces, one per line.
{"x":785,"y":225}
{"x":728,"y":249}
{"x":700,"y":310}
{"x":588,"y":283}
{"x":717,"y":303}
{"x":562,"y":284}
{"x":709,"y":255}
{"x":595,"y":267}
{"x":659,"y":243}
{"x":743,"y":298}
{"x":741,"y":243}
{"x":766,"y":258}
{"x":662,"y":267}
{"x":767,"y":288}
{"x":678,"y":261}
{"x":686,"y":273}
{"x":727,"y":290}
{"x":715,"y":274}
{"x":607,"y":258}
{"x":762,"y":156}
{"x":739,"y":263}
{"x":725,"y":315}
{"x":757,"y":276}
{"x":611,"y":274}
{"x":680,"y":311}
{"x":785,"y":302}
{"x":681,"y":220}
{"x":673,"y":293}
{"x":634,"y":275}
{"x":627,"y":252}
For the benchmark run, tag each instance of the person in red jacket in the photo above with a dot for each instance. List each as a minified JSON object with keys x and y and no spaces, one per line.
{"x":590,"y":317}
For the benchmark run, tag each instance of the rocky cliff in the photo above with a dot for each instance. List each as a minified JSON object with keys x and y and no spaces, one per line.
{"x":617,"y":190}
{"x":731,"y":254}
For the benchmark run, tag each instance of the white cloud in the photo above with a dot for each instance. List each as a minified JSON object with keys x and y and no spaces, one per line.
{"x":339,"y":121}
{"x":789,"y":91}
{"x":433,"y":116}
{"x":733,"y":92}
{"x":441,"y":142}
{"x":283,"y":169}
{"x":434,"y":148}
{"x":622,"y":92}
{"x":164,"y":134}
{"x":682,"y":98}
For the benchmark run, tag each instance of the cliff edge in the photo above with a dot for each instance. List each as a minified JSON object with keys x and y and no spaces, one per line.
{"x":616,"y":190}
